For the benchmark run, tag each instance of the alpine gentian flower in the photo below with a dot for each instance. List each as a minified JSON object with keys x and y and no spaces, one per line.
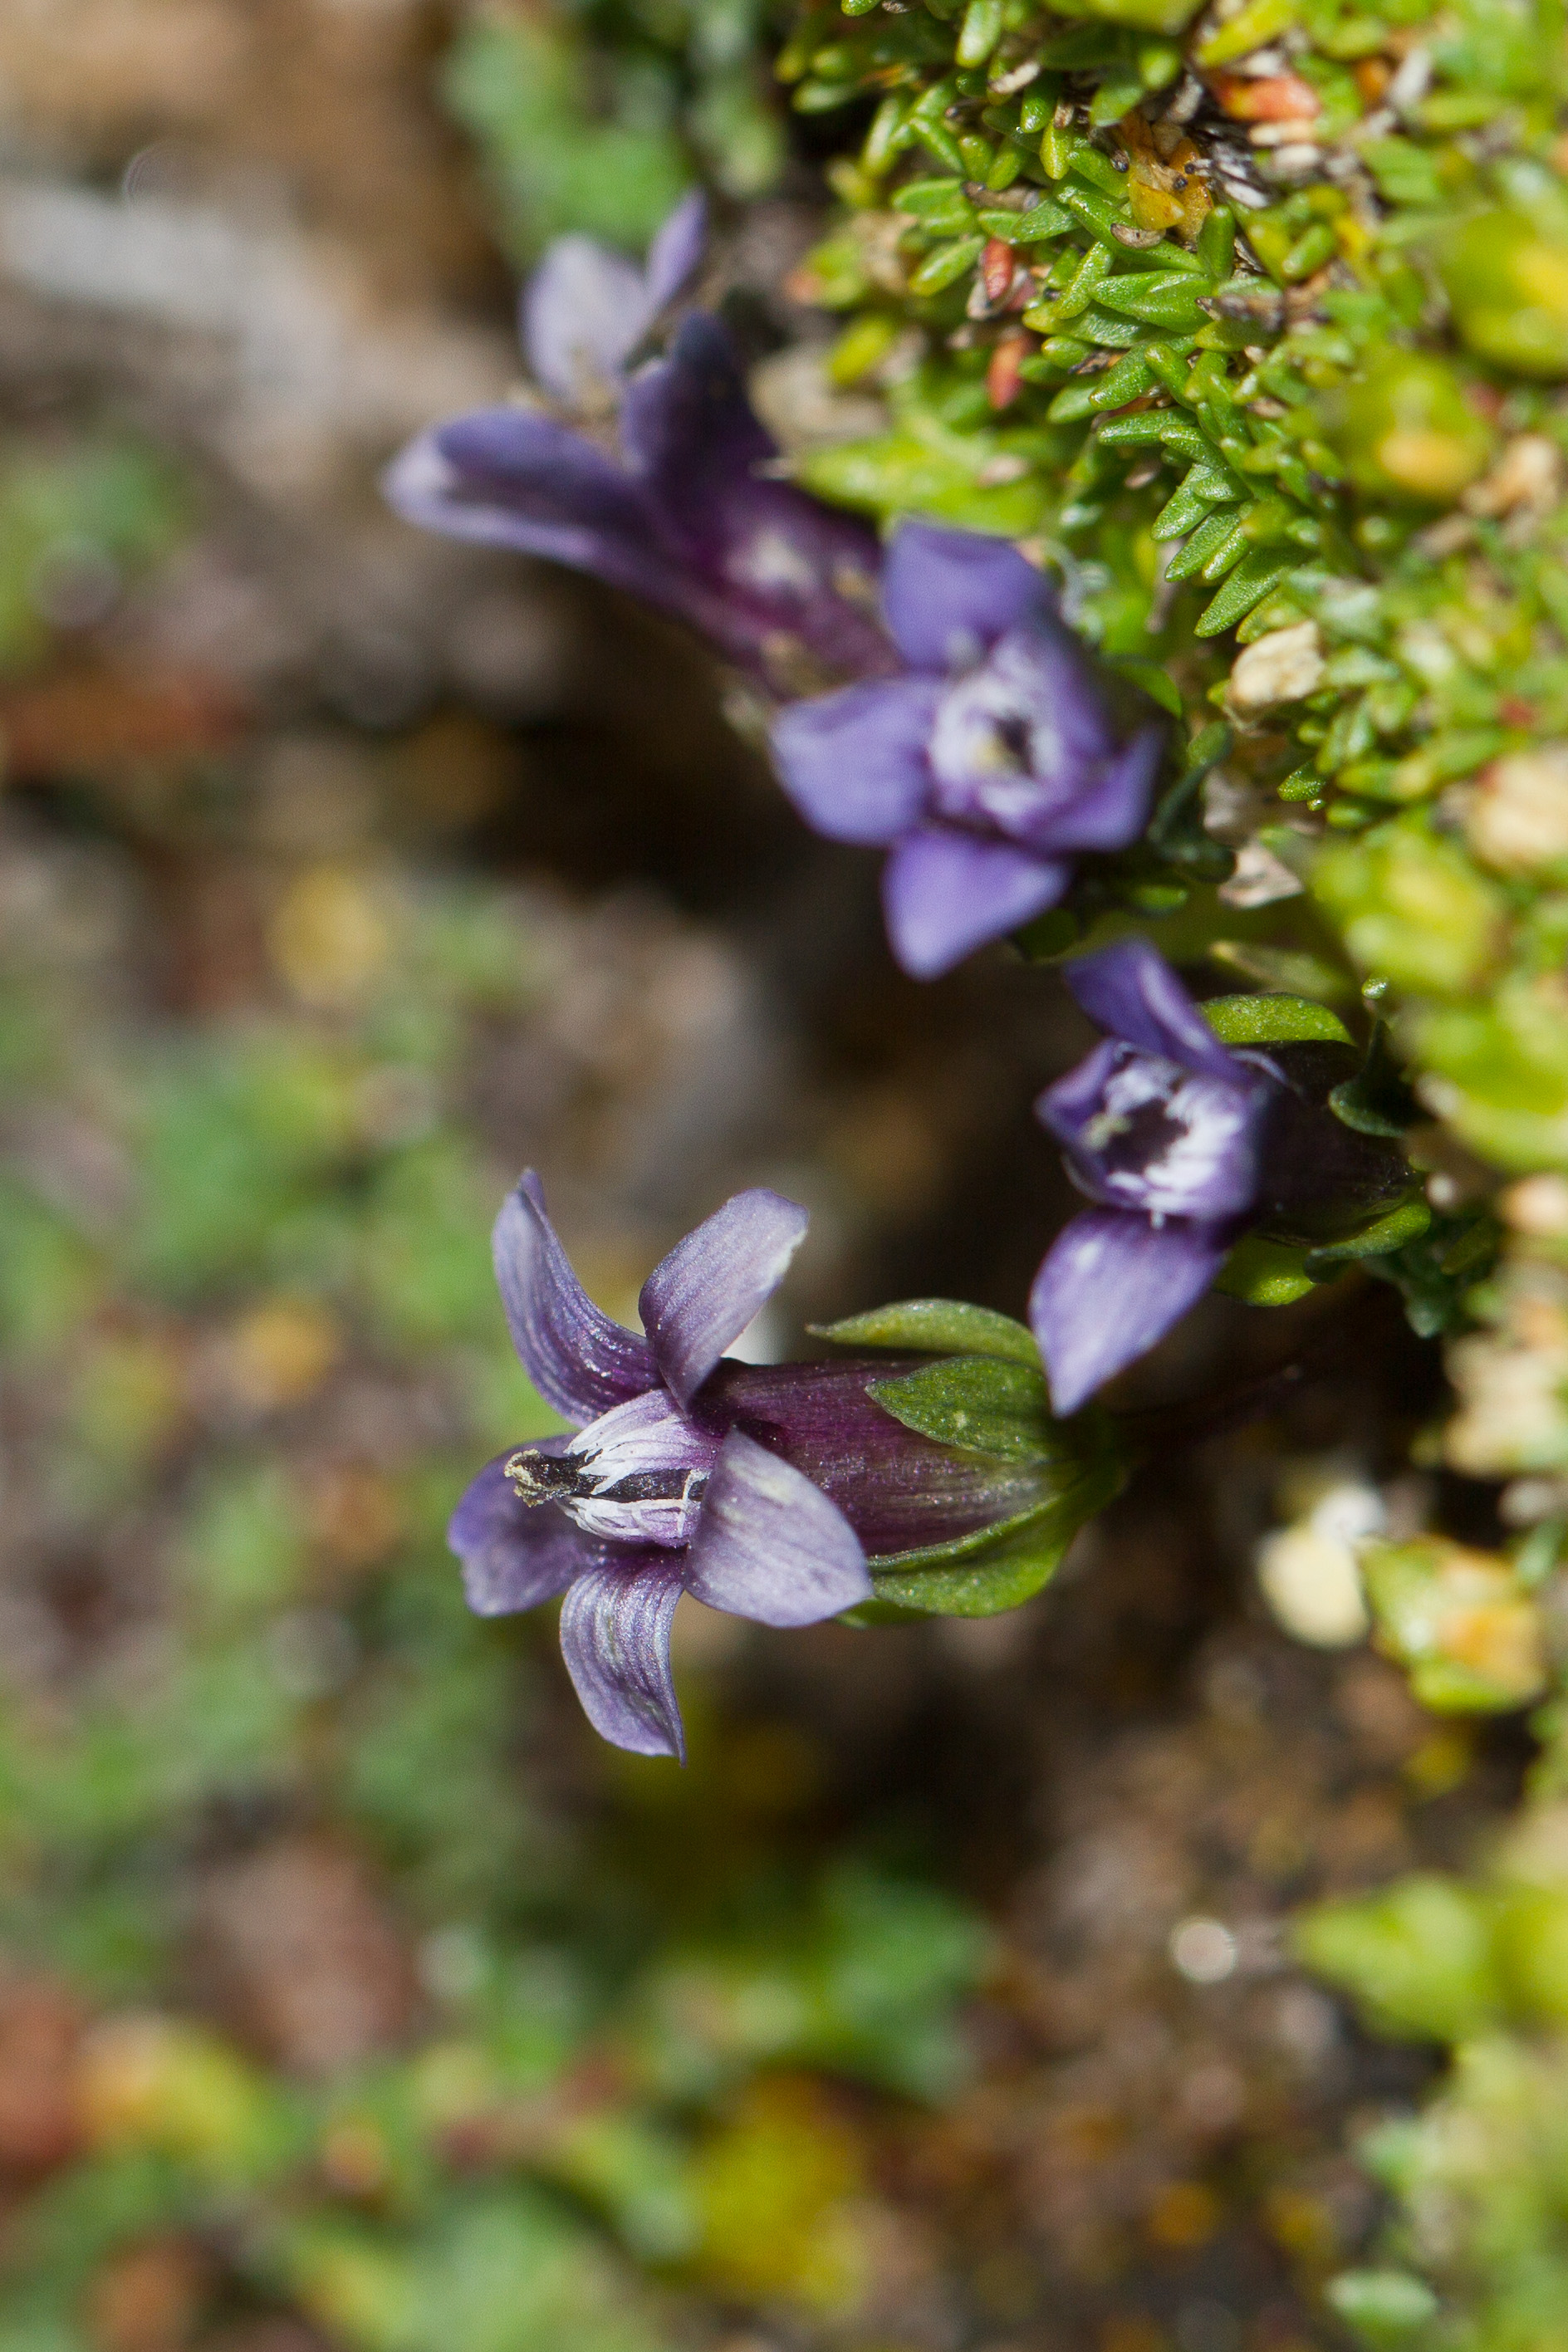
{"x":586,"y":308}
{"x":688,"y":516}
{"x":1181,"y":1143}
{"x":760,"y":1488}
{"x":985,"y":766}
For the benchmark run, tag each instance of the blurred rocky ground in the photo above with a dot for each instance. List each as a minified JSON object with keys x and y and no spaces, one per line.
{"x":354,"y":1995}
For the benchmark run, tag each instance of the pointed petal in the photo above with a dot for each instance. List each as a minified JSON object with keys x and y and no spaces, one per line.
{"x":582,"y":311}
{"x":513,"y":1556}
{"x":1115,"y":809}
{"x":1131,"y":992}
{"x":507,"y":478}
{"x":854,"y":763}
{"x":948,"y":595}
{"x":704,"y":1295}
{"x":1111,"y":1285}
{"x":945,"y":893}
{"x":578,"y":1360}
{"x":614,"y":1638}
{"x":676,"y":250}
{"x":770,"y":1544}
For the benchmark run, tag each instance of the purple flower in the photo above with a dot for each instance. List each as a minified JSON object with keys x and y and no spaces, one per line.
{"x":688,"y":516}
{"x":760,"y":1488}
{"x":1164,"y":1129}
{"x":1183,"y":1144}
{"x":586,"y":308}
{"x":985,"y":766}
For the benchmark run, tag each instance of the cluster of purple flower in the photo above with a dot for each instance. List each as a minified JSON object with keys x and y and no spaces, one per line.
{"x":967,"y":731}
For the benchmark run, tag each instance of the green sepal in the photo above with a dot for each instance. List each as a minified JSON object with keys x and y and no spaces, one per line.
{"x":981,"y":1404}
{"x":1264,"y":1273}
{"x":1395,"y":1227}
{"x":936,"y":1327}
{"x":999,"y":1567}
{"x":1273,"y":1020}
{"x":1378,"y":1100}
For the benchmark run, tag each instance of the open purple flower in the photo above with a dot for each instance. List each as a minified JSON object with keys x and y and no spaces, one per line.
{"x":760,"y":1488}
{"x":586,"y":308}
{"x":688,"y":516}
{"x":1164,"y":1129}
{"x":643,"y":1503}
{"x":1183,"y":1144}
{"x":984,"y":768}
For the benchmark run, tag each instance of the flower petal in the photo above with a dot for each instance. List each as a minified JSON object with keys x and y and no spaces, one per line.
{"x":582,"y":311}
{"x":676,"y":250}
{"x":1131,"y":992}
{"x":1111,"y":1285}
{"x":773,"y":573}
{"x":578,"y":1360}
{"x":513,"y":1555}
{"x":702,"y":1295}
{"x":507,"y":478}
{"x":946,"y":892}
{"x":854,"y":763}
{"x":614,"y":1638}
{"x":1115,"y":809}
{"x":948,"y":595}
{"x":770,"y":1544}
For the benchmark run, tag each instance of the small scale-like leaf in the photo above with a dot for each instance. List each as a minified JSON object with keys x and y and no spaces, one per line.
{"x":936,"y":1327}
{"x":1247,"y":585}
{"x":1161,"y":298}
{"x":1273,"y":1020}
{"x":1208,"y":536}
{"x":1042,"y":220}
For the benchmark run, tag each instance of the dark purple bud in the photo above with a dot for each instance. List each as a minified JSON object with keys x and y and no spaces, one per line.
{"x":997,"y":756}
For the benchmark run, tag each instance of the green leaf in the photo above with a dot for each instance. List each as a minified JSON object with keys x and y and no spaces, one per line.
{"x":1161,"y":298}
{"x":1041,"y":220}
{"x":1247,"y":585}
{"x":948,"y":263}
{"x":1385,"y":2308}
{"x":1273,"y":1020}
{"x":1417,"y":1956}
{"x":1389,"y":1232}
{"x":981,"y":1404}
{"x":1264,"y":1273}
{"x":1153,"y":677}
{"x":1002,"y":1566}
{"x":938,"y":1327}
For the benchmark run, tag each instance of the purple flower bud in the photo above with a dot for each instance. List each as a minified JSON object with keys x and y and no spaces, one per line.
{"x":984,"y":768}
{"x":688,"y":515}
{"x":760,"y":1489}
{"x":1181,"y":1143}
